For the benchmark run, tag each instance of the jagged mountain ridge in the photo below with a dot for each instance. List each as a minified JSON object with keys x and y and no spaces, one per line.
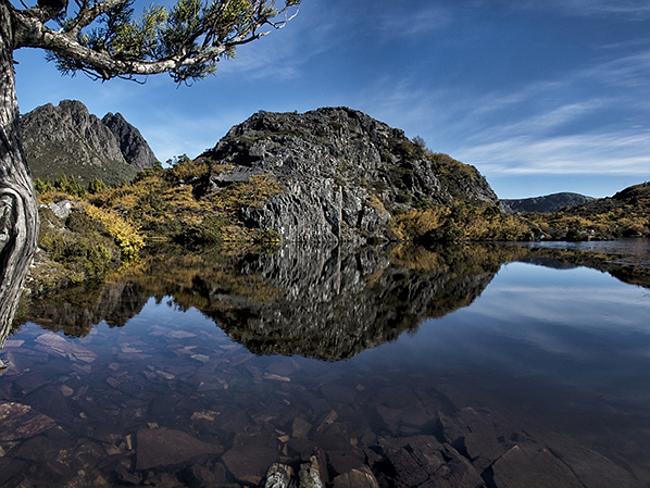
{"x":546,"y":203}
{"x":67,"y":140}
{"x":134,"y":147}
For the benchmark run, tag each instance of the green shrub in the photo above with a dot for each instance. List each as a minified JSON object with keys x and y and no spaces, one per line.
{"x":96,"y":186}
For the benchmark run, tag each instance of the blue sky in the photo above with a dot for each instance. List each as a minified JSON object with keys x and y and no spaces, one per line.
{"x":541,"y":96}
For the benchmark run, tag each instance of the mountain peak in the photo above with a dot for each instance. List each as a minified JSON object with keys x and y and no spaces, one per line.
{"x":134,"y":147}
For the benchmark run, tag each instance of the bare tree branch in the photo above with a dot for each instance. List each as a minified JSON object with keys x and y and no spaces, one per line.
{"x":87,"y":15}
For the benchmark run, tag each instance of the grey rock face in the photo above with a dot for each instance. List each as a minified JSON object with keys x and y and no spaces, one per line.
{"x":67,"y":140}
{"x":134,"y":147}
{"x":344,"y":174}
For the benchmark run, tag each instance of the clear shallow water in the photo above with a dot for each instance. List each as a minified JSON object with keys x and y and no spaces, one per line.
{"x":525,"y":375}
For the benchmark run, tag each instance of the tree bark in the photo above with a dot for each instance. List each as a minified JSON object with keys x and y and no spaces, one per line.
{"x":18,"y":210}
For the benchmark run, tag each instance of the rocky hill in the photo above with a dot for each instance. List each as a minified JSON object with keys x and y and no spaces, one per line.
{"x":339,"y":175}
{"x":67,"y":140}
{"x":626,"y":214}
{"x":547,"y":203}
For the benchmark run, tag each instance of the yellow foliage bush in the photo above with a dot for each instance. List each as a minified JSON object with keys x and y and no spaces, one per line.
{"x":125,"y":235}
{"x":253,"y":193}
{"x":189,"y":170}
{"x":415,"y":223}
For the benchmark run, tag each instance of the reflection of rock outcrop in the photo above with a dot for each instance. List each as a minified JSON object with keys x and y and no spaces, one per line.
{"x":326,"y":303}
{"x":76,"y":311}
{"x":628,"y":261}
{"x":334,"y":304}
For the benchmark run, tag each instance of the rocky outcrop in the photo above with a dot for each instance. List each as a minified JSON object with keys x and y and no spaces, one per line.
{"x":67,"y":140}
{"x":548,"y":203}
{"x":134,"y":147}
{"x":344,"y":174}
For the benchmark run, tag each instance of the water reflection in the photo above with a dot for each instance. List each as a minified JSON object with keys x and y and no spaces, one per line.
{"x":13,"y":270}
{"x":442,"y":368}
{"x":323,"y":303}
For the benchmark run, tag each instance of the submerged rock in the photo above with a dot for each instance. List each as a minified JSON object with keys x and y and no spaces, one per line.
{"x":357,"y":478}
{"x":165,"y":447}
{"x":19,"y":421}
{"x":57,"y":345}
{"x":249,"y":458}
{"x":533,"y":467}
{"x":424,"y":461}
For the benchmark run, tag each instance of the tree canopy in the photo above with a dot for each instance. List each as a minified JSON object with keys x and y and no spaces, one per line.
{"x":105,"y":39}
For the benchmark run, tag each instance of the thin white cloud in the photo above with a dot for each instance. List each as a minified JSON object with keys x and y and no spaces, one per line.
{"x":613,"y":153}
{"x":559,"y":131}
{"x":544,"y":122}
{"x":630,"y":9}
{"x":281,"y":55}
{"x":413,"y":22}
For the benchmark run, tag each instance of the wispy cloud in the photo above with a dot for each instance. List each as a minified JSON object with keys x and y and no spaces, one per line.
{"x":559,"y":130}
{"x":631,"y":9}
{"x":592,"y":120}
{"x":413,"y":21}
{"x":283,"y":59}
{"x":614,"y":153}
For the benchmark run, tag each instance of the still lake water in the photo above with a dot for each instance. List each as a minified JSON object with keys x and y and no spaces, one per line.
{"x":506,"y":372}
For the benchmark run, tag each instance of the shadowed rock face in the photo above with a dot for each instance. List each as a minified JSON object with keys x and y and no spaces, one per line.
{"x":67,"y":140}
{"x":134,"y":147}
{"x":344,"y":174}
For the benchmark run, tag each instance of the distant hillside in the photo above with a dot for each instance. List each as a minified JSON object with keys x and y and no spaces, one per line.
{"x":547,"y":203}
{"x":626,"y":214}
{"x":67,"y":140}
{"x":634,"y":199}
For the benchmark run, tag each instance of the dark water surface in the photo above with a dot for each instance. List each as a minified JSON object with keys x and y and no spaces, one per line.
{"x":472,"y":367}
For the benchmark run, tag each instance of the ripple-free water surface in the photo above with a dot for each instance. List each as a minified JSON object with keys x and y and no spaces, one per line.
{"x":556,"y":359}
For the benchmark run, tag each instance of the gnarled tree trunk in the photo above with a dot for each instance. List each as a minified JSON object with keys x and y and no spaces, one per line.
{"x":18,"y":211}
